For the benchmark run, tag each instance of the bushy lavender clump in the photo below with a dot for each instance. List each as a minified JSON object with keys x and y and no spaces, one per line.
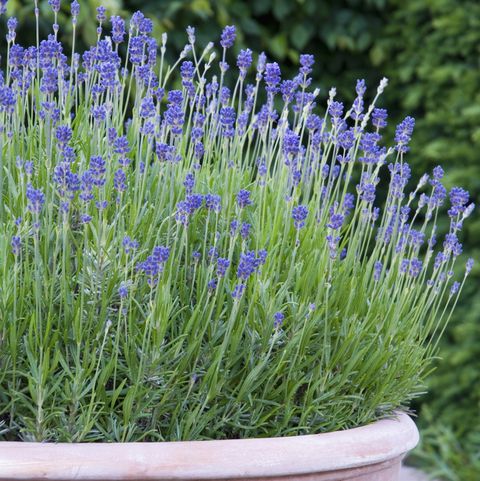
{"x":214,"y":224}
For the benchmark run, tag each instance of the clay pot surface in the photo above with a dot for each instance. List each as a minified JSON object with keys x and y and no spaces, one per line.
{"x":369,"y":453}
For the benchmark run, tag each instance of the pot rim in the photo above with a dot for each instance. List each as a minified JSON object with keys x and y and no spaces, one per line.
{"x":375,"y":443}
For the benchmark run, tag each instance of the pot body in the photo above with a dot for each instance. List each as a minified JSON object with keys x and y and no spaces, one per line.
{"x":369,"y":453}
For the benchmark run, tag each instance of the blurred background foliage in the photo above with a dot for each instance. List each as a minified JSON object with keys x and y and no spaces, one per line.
{"x":430,"y":50}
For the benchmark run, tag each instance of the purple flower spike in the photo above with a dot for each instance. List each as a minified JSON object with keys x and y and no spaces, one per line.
{"x":16,"y":244}
{"x":75,"y":9}
{"x":101,"y":17}
{"x":222,"y":266}
{"x":55,"y":4}
{"x":244,"y":61}
{"x":243,"y":198}
{"x":278,"y":318}
{"x":469,"y":266}
{"x":455,"y":287}
{"x":35,"y":198}
{"x":238,"y":291}
{"x":379,"y":118}
{"x":377,"y":271}
{"x":272,"y":77}
{"x":228,"y":36}
{"x":213,"y":202}
{"x":118,"y":29}
{"x":299,"y":214}
{"x":403,"y":134}
{"x":123,"y":290}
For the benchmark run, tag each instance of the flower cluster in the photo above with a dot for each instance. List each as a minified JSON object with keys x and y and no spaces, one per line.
{"x":204,"y":217}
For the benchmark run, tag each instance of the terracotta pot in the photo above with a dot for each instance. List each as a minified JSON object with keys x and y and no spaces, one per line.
{"x":369,"y":453}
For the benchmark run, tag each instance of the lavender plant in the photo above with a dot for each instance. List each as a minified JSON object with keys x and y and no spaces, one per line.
{"x":196,"y":250}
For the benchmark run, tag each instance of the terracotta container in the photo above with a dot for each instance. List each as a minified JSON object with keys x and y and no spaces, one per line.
{"x":369,"y":453}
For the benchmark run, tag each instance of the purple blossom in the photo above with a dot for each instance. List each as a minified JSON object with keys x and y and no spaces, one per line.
{"x":187,"y":71}
{"x":469,"y":266}
{"x":86,"y":186}
{"x":243,"y":198}
{"x":147,"y":107}
{"x":372,"y":152}
{"x":306,"y":62}
{"x":55,"y":4}
{"x":146,"y":26}
{"x":291,"y":143}
{"x":75,"y":10}
{"x":174,"y":115}
{"x":194,"y":202}
{"x":440,"y":258}
{"x":16,"y":245}
{"x":348,"y":203}
{"x":244,"y":61}
{"x":118,"y":29}
{"x":416,"y":238}
{"x":189,"y":183}
{"x":438,"y":195}
{"x":165,"y":152}
{"x":233,"y":227}
{"x":404,"y":265}
{"x":333,"y":241}
{"x":123,"y":290}
{"x":67,"y":181}
{"x":346,"y":140}
{"x":336,"y":221}
{"x":187,"y":207}
{"x":272,"y":77}
{"x":455,"y":287}
{"x":213,"y":253}
{"x":403,"y":134}
{"x":415,"y":267}
{"x":400,"y":174}
{"x":377,"y":270}
{"x":335,"y":109}
{"x":288,"y":89}
{"x":452,"y":244}
{"x":120,"y":180}
{"x":98,"y":168}
{"x":63,"y":135}
{"x":227,"y":121}
{"x":129,"y":244}
{"x":191,"y":34}
{"x":379,"y":118}
{"x":438,"y":173}
{"x":245,"y":230}
{"x":299,"y":214}
{"x":222,"y":266}
{"x":458,"y":199}
{"x":238,"y":291}
{"x":278,"y":318}
{"x":213,"y":202}
{"x":101,"y":17}
{"x":249,"y":263}
{"x":367,"y":192}
{"x":121,"y":145}
{"x":36,"y":199}
{"x":160,"y":254}
{"x":12,"y":25}
{"x":228,"y":36}
{"x":153,"y":266}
